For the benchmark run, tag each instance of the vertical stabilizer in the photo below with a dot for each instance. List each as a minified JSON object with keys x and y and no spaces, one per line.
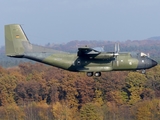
{"x":14,"y":38}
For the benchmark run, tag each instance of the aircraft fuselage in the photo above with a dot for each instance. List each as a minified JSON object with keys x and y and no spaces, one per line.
{"x":71,"y":62}
{"x":87,"y":59}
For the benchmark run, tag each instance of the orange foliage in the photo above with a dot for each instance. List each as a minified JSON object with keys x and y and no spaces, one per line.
{"x":39,"y":91}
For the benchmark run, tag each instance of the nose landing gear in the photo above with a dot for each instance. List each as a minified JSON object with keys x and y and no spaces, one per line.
{"x":143,"y":71}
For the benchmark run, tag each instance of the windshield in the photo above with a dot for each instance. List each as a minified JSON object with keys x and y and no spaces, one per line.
{"x":142,"y":54}
{"x":136,"y":55}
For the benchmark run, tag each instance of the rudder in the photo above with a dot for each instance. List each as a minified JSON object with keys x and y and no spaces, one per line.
{"x":14,"y":36}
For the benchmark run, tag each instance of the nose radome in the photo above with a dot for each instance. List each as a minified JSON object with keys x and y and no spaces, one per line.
{"x":154,"y":63}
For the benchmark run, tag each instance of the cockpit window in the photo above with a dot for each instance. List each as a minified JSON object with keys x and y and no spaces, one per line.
{"x":135,"y":55}
{"x":142,"y":54}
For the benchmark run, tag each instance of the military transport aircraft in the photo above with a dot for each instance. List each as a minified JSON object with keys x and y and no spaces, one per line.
{"x":88,"y":60}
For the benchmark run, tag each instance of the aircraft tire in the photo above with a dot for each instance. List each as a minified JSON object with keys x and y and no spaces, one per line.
{"x":97,"y":74}
{"x":89,"y":74}
{"x":143,"y":71}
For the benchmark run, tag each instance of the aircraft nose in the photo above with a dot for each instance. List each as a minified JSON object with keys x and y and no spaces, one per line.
{"x":146,"y":64}
{"x":154,"y":63}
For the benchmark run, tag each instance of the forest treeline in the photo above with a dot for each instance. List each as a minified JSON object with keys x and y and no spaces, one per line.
{"x":40,"y":92}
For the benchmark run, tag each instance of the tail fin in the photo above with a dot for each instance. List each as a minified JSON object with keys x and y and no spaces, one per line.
{"x":14,"y":37}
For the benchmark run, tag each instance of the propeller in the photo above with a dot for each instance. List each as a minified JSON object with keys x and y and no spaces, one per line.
{"x":116,"y":53}
{"x":116,"y":49}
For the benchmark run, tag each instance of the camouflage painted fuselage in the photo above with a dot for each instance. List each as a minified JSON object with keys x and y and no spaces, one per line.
{"x":18,"y":45}
{"x":71,"y":62}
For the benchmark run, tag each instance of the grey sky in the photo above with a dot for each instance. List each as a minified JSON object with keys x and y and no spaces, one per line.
{"x":60,"y":21}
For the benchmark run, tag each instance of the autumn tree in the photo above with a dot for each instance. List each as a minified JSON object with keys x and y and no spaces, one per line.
{"x":8,"y":82}
{"x":135,"y":83}
{"x":153,"y":80}
{"x":147,"y":110}
{"x":89,"y":111}
{"x":62,"y":111}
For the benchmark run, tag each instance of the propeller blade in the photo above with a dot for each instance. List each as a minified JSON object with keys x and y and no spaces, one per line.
{"x":116,"y":53}
{"x":115,"y":48}
{"x":118,"y":49}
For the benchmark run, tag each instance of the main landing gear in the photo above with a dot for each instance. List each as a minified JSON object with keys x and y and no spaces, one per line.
{"x":96,"y":74}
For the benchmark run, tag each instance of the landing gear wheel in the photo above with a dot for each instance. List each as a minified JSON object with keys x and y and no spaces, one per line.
{"x":97,"y":74}
{"x":143,"y":71}
{"x":89,"y":74}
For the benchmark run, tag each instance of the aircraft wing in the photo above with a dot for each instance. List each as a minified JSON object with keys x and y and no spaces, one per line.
{"x":92,"y":53}
{"x":85,"y":51}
